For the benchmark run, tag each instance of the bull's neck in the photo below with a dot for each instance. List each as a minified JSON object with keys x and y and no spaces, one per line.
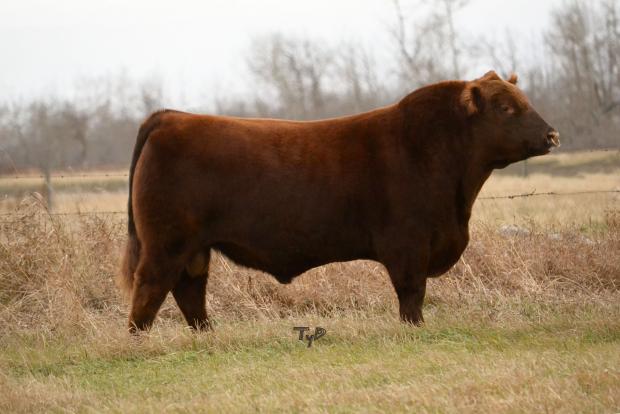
{"x":433,"y":124}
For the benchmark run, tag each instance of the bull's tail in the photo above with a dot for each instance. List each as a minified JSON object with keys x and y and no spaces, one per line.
{"x":132,"y":249}
{"x":129,"y":265}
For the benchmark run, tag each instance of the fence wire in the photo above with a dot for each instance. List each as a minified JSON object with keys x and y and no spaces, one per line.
{"x":501,"y":197}
{"x":547,"y":193}
{"x":126,"y":175}
{"x":61,"y":176}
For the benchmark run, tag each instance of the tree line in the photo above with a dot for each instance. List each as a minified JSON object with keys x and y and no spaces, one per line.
{"x":572,"y":77}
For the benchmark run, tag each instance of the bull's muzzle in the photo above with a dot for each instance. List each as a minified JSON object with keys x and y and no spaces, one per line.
{"x":553,"y":138}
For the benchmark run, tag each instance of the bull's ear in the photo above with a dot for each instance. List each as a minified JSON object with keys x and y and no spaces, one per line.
{"x":513,"y":78}
{"x":490,"y":75}
{"x":472,"y":99}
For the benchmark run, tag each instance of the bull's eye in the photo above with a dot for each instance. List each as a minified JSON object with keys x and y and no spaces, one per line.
{"x":507,"y":109}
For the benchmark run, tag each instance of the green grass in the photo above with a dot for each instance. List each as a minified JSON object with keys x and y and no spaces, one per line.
{"x":554,"y":358}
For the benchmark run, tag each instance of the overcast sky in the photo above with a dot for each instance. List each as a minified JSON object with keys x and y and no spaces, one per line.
{"x":197,"y":48}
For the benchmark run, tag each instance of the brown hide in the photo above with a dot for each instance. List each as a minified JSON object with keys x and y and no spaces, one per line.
{"x":395,"y":185}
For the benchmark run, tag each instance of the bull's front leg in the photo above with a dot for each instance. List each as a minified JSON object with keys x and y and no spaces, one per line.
{"x":410,"y":299}
{"x":408,"y":274}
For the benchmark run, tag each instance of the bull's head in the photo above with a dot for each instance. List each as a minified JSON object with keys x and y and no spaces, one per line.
{"x":505,"y":126}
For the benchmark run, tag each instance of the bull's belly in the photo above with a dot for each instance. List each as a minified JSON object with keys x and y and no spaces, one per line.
{"x":285,"y":260}
{"x":287,"y":242}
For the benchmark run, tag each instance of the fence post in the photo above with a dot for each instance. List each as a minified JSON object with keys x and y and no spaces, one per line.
{"x":49,"y":191}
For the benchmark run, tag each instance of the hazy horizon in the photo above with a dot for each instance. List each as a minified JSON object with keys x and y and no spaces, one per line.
{"x":197,"y":50}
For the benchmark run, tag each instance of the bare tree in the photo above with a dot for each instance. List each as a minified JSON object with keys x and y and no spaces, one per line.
{"x":97,"y":128}
{"x":451,"y":7}
{"x":355,"y":72}
{"x":502,"y":53}
{"x":428,"y":48}
{"x":584,"y":41}
{"x":151,"y":96}
{"x":294,"y":72}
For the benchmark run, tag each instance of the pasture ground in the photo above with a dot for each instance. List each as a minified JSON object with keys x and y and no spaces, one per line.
{"x":527,"y":321}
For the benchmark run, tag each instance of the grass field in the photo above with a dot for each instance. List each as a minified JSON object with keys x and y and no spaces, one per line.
{"x":527,"y":321}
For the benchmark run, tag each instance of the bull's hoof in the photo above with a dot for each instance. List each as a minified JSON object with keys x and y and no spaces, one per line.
{"x":201,"y":326}
{"x":415,"y":320}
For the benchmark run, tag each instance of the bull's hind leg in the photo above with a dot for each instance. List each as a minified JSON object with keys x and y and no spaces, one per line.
{"x":155,"y":277}
{"x":190,"y":291}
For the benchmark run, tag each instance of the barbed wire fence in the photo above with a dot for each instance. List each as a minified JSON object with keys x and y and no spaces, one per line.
{"x":50,"y":212}
{"x":62,"y":176}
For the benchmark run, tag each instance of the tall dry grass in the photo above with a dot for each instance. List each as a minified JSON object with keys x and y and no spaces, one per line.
{"x":57,"y":276}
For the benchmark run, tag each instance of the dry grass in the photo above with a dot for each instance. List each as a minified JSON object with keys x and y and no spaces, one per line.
{"x":549,"y":211}
{"x":528,"y":320}
{"x":67,"y":264}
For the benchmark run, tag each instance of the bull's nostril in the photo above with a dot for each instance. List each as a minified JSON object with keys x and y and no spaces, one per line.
{"x":553,"y":137}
